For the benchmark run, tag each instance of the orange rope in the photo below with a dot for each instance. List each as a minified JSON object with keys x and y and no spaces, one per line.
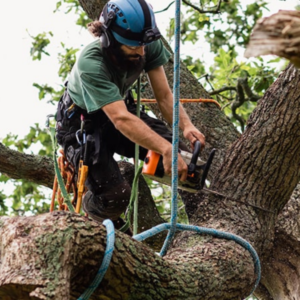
{"x":185,"y":101}
{"x":67,"y":173}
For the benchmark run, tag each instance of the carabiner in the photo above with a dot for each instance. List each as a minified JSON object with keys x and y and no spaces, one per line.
{"x":83,"y":135}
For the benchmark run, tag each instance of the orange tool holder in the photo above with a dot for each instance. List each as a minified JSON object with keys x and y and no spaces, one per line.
{"x":82,"y":175}
{"x":83,"y":172}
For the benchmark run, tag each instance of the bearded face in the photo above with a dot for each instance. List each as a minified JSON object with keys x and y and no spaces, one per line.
{"x":127,"y":58}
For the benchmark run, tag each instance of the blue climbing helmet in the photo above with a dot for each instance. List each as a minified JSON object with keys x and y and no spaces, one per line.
{"x":131,"y":22}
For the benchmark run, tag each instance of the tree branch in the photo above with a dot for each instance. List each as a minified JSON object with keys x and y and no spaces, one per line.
{"x":223,"y":89}
{"x":16,"y":165}
{"x":75,"y":248}
{"x":204,"y":11}
{"x":277,"y":34}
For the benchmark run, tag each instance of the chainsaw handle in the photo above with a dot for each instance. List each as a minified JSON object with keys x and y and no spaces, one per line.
{"x":206,"y":168}
{"x":196,"y":152}
{"x":192,"y":165}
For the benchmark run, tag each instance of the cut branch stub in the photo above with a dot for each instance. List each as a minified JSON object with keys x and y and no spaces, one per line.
{"x":278,"y":34}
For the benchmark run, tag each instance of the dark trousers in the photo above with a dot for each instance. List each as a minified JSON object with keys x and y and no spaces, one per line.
{"x":109,"y":192}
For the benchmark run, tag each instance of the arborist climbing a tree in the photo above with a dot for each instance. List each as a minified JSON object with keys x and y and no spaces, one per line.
{"x":94,"y":110}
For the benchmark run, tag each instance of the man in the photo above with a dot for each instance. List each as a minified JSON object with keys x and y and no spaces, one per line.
{"x":127,"y":43}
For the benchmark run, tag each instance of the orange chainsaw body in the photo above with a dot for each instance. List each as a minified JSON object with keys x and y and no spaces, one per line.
{"x":197,"y":169}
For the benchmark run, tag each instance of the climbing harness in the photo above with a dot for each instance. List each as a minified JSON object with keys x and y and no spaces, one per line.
{"x":65,"y":171}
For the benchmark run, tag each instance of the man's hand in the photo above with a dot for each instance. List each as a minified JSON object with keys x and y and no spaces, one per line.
{"x":193,"y":134}
{"x":182,"y":166}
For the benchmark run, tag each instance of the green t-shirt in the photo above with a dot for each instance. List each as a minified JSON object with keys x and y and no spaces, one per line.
{"x":95,"y":81}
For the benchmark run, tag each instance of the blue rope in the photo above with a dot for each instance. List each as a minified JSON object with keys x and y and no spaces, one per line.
{"x":106,"y":260}
{"x":176,"y":101}
{"x":213,"y":232}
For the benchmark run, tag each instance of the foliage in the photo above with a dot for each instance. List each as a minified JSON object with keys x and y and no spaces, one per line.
{"x":71,"y":6}
{"x":26,"y":197}
{"x":35,"y":136}
{"x":226,"y":30}
{"x":162,"y":198}
{"x":39,"y":45}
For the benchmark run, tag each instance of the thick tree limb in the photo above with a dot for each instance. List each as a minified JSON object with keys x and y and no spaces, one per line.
{"x":59,"y":254}
{"x":16,"y":165}
{"x":280,"y":274}
{"x":278,"y":34}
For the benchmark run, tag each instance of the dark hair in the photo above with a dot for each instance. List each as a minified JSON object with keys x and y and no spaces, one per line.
{"x":95,"y":28}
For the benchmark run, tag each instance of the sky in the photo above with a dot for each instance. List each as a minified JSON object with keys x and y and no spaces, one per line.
{"x":20,"y":105}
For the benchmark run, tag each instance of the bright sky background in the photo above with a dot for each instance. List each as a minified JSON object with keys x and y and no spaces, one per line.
{"x":20,"y":105}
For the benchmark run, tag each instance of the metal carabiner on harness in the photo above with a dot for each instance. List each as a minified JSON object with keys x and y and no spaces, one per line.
{"x":81,"y":132}
{"x":70,"y":111}
{"x":80,"y":137}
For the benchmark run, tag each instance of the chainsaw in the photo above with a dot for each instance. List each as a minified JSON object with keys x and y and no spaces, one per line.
{"x":197,"y":169}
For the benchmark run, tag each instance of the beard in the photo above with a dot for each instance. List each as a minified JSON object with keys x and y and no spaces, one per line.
{"x":125,"y":62}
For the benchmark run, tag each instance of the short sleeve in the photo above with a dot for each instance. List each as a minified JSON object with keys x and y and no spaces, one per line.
{"x":156,"y":55}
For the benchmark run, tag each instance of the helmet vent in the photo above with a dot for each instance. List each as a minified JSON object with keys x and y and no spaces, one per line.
{"x":124,"y":21}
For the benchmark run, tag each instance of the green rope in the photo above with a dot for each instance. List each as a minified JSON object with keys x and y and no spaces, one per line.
{"x":136,"y":161}
{"x":133,"y":196}
{"x":60,"y":181}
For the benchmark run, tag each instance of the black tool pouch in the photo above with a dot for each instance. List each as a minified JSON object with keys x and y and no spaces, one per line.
{"x":68,"y":122}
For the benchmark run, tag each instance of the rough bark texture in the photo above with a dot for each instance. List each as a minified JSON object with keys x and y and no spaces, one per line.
{"x":56,"y":256}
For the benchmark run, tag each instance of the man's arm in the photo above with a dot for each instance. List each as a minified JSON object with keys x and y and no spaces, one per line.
{"x":164,"y":99}
{"x":140,"y":133}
